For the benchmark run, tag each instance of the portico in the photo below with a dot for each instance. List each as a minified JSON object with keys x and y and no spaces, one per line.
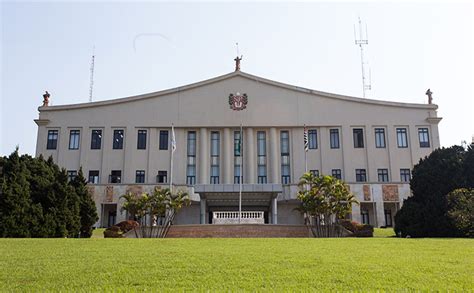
{"x":258,"y":198}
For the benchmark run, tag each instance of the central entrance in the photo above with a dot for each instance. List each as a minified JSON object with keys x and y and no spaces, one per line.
{"x":220,"y":203}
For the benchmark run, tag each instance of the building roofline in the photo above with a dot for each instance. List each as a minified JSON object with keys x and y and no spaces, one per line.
{"x":230,"y":75}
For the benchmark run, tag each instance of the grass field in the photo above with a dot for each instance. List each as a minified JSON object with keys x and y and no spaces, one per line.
{"x":236,"y":264}
{"x":384,"y":232}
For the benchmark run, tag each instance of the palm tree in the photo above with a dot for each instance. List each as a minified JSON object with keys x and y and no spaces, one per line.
{"x":324,"y":201}
{"x":159,"y":208}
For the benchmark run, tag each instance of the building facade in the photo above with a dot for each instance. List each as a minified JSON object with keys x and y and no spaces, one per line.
{"x":124,"y":145}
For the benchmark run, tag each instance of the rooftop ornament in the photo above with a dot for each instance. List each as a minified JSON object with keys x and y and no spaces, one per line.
{"x":429,"y":93}
{"x":237,"y":62}
{"x":46,"y":99}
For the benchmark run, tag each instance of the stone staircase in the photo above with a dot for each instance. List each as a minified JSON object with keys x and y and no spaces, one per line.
{"x":239,"y":231}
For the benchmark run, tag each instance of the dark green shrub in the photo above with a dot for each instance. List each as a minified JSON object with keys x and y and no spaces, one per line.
{"x":425,"y":214}
{"x":461,"y":211}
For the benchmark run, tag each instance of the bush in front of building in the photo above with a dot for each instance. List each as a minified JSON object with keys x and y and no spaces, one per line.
{"x":113,"y":232}
{"x":121,"y":228}
{"x":127,"y":225}
{"x":358,"y":229}
{"x":426,"y":213}
{"x":37,"y":200}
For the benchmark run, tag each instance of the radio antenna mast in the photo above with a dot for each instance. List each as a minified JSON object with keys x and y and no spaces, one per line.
{"x":91,"y":86}
{"x":362,"y":40}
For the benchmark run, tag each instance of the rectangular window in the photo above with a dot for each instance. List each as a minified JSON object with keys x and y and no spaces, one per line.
{"x":191,"y":159}
{"x":358,"y":134}
{"x":285,"y":157}
{"x":96,"y":140}
{"x":71,"y":174}
{"x":312,"y":139}
{"x":215,"y":151}
{"x":405,"y":175}
{"x":141,"y":142}
{"x":402,"y":140}
{"x":115,"y":176}
{"x":52,"y":140}
{"x":261,"y":157}
{"x":424,"y":137}
{"x":382,"y":175}
{"x":237,"y":157}
{"x":361,"y":175}
{"x":140,"y":176}
{"x":162,"y":177}
{"x":336,"y":173}
{"x":334,"y":138}
{"x":74,"y":136}
{"x":314,"y":172}
{"x":379,"y":137}
{"x":94,"y":177}
{"x":163,"y":139}
{"x":118,"y":139}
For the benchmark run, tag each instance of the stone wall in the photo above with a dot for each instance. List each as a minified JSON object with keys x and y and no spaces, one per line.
{"x":238,"y":231}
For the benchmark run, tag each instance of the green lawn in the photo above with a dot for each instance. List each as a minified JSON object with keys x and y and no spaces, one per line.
{"x":236,"y":264}
{"x":384,"y":232}
{"x":98,"y":233}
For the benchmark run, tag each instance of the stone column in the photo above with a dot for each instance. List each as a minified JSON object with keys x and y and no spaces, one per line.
{"x":227,"y":156}
{"x":203,"y":211}
{"x":203,"y":157}
{"x":377,"y":197}
{"x":249,"y":149}
{"x":356,"y":213}
{"x":275,"y":210}
{"x":380,"y":213}
{"x":274,"y":158}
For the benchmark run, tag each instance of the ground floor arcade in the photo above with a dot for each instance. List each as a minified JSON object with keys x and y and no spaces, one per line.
{"x":261,"y":203}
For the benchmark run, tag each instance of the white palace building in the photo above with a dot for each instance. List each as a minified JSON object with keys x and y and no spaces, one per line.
{"x":125,"y":145}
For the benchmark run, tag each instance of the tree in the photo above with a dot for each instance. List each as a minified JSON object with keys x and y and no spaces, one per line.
{"x":461,"y":210}
{"x":87,"y":208}
{"x":40,"y":178}
{"x":36,"y":199}
{"x":325,"y":200}
{"x":425,"y":214}
{"x":15,"y":204}
{"x":468,"y":168}
{"x":154,"y":212}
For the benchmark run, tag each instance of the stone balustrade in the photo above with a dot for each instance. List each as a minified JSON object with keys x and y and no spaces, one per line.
{"x":233,"y":218}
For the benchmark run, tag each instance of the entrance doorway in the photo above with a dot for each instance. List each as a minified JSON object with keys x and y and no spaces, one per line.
{"x":108,"y":216}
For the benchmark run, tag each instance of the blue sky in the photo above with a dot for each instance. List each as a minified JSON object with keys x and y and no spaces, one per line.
{"x":147,"y":47}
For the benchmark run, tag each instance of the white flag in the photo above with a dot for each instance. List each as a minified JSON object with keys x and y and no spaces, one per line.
{"x":173,"y":139}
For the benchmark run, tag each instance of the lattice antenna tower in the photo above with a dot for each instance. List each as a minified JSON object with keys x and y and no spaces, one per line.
{"x":362,"y":40}
{"x":91,"y":85}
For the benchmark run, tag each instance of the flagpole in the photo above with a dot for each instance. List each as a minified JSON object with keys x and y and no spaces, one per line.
{"x":305,"y":134}
{"x":240,"y":175}
{"x":173,"y":145}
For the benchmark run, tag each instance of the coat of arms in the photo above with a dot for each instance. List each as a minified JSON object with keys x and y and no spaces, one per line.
{"x":238,"y":101}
